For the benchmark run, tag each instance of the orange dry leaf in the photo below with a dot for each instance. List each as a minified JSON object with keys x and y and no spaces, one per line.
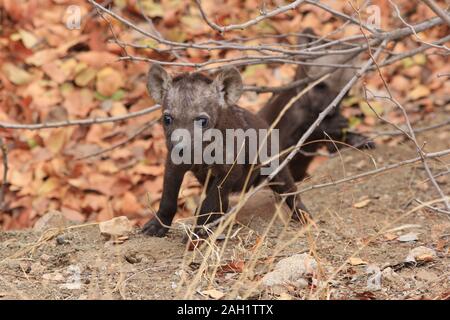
{"x":108,"y":81}
{"x":234,"y":266}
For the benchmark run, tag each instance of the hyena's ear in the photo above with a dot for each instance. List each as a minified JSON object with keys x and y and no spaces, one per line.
{"x":228,"y":84}
{"x":158,"y":82}
{"x":307,"y":36}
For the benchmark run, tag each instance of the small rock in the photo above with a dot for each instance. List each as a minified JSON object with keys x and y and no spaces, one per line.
{"x":373,"y":278}
{"x":278,"y":289}
{"x":301,"y":283}
{"x":284,"y":296}
{"x":45,"y":257}
{"x":421,"y":254}
{"x":291,"y":270}
{"x":132,"y":257}
{"x":221,"y":237}
{"x":408,"y":237}
{"x":389,"y":275}
{"x":37,"y":268}
{"x":52,"y":219}
{"x":116,"y":227}
{"x":61,"y":239}
{"x":25,"y":266}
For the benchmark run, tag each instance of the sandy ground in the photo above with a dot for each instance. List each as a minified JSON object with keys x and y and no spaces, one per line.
{"x":81,"y":264}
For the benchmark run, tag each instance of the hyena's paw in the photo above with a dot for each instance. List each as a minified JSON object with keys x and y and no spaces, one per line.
{"x":154,"y":228}
{"x":301,"y":214}
{"x":359,"y":141}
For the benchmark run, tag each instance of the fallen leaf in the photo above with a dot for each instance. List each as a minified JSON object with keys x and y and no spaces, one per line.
{"x":85,"y":77}
{"x":390,"y":236}
{"x":16,"y":75}
{"x":420,"y":59}
{"x":361,"y":204}
{"x":371,"y":108}
{"x":213,"y":293}
{"x":419,"y":92}
{"x":97,"y":59}
{"x":234,"y":266}
{"x":28,"y":39}
{"x":57,"y":139}
{"x":108,"y":81}
{"x":42,"y":57}
{"x":355,"y":261}
{"x":73,"y":215}
{"x":48,"y":186}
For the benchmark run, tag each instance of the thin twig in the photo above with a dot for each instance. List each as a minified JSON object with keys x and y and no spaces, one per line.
{"x":242,"y":26}
{"x":433,"y":208}
{"x":397,"y":10}
{"x":430,"y":155}
{"x":120,"y":144}
{"x":418,"y":130}
{"x":438,"y":10}
{"x":66,"y":123}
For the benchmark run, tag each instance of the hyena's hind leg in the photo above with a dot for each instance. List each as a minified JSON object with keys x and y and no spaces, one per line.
{"x":283,"y":183}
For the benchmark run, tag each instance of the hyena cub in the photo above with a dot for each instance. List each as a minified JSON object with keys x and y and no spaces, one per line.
{"x":195,"y":102}
{"x":305,"y":111}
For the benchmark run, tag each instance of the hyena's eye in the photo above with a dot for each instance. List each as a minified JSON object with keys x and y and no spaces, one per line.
{"x":167,"y":119}
{"x":321,"y":86}
{"x":201,"y":121}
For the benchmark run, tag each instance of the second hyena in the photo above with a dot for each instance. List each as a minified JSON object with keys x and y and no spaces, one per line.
{"x":304,"y":112}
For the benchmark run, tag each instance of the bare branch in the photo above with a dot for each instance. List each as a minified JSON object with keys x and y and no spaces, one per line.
{"x":397,"y":10}
{"x":310,"y":52}
{"x":341,"y":15}
{"x":419,"y":130}
{"x":120,"y":144}
{"x":439,"y":12}
{"x":242,"y":26}
{"x":430,"y":155}
{"x":243,"y":60}
{"x":58,"y":124}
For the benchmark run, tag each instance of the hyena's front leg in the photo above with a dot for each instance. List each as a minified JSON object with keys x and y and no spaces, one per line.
{"x":336,"y":127}
{"x":173,"y":177}
{"x":216,"y":201}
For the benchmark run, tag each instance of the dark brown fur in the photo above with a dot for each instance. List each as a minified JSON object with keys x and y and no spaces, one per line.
{"x":183,"y":99}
